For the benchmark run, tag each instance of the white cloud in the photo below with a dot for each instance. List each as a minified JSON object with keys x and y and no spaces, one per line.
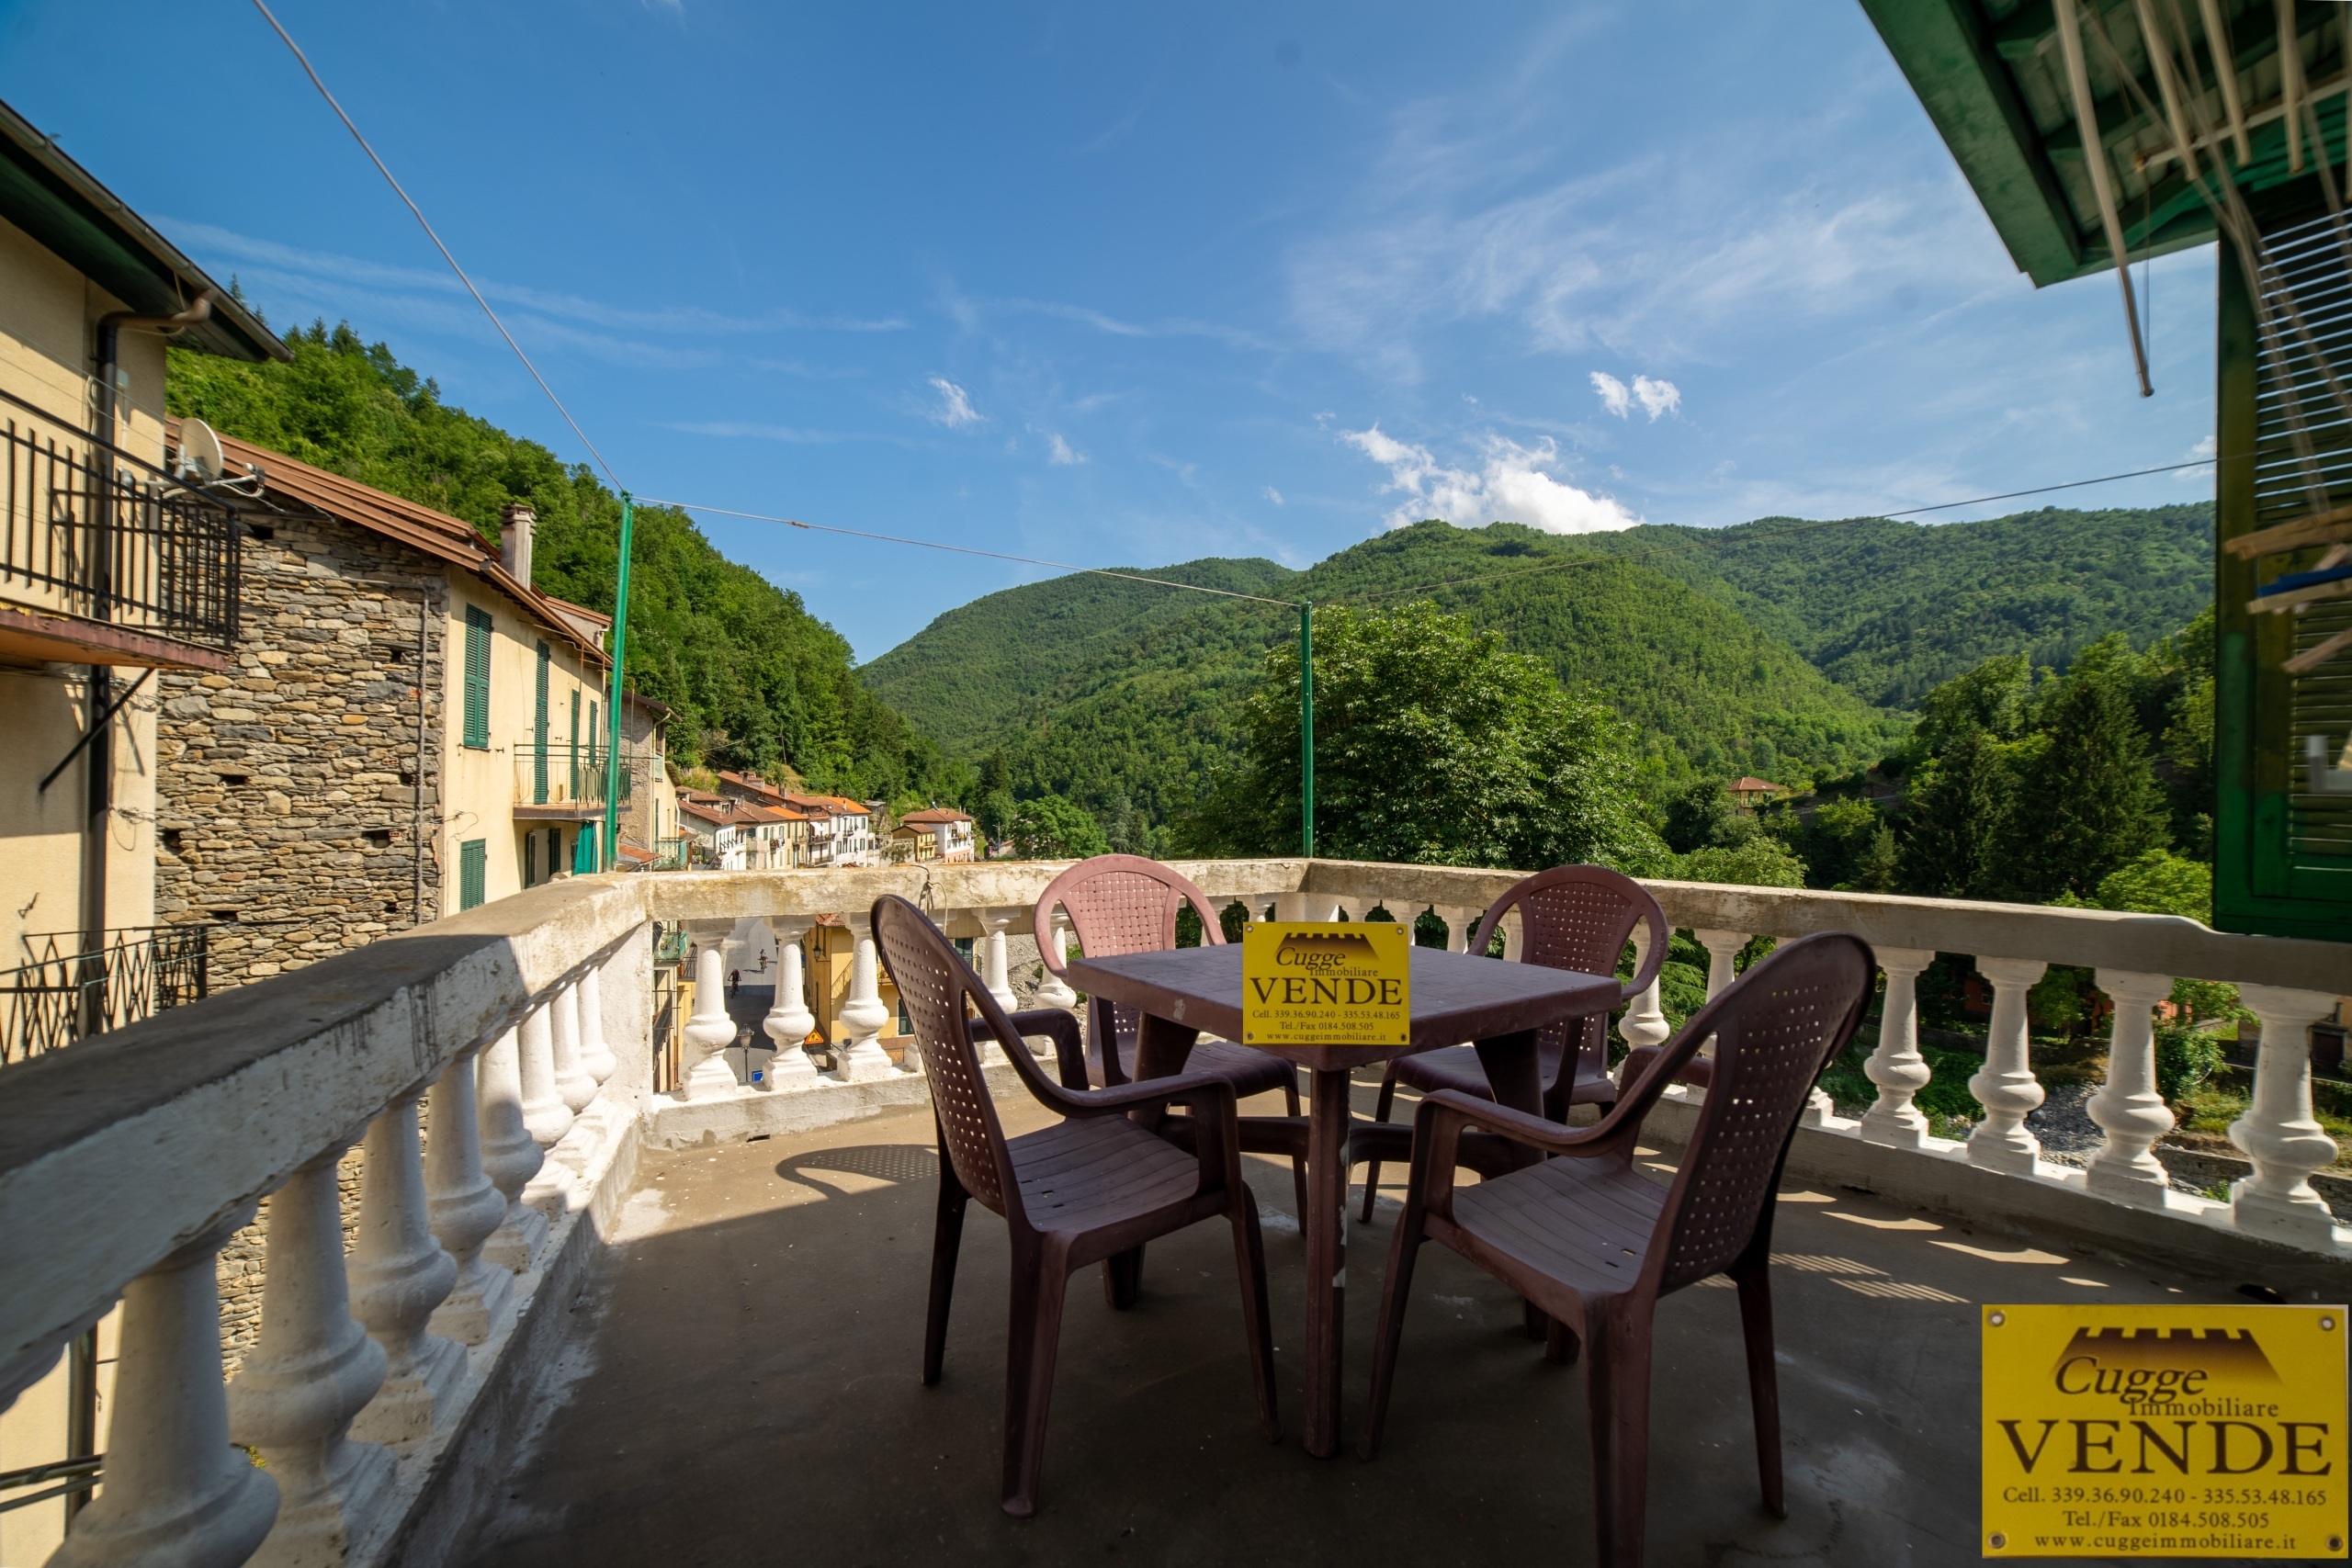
{"x":1273,"y":495}
{"x":2203,"y":449}
{"x":1058,"y":452}
{"x":1657,"y":397}
{"x":1615,"y":397}
{"x":955,"y":410}
{"x":1512,"y":486}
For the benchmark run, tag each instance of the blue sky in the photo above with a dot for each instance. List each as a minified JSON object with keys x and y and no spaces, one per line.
{"x":1136,"y":284}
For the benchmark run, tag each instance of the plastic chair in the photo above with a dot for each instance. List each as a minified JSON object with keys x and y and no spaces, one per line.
{"x":1121,"y":904}
{"x":1572,"y":917}
{"x":1094,"y":1185}
{"x":1593,"y":1243}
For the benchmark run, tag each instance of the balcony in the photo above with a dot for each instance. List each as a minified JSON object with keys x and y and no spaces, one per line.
{"x":719,"y":1288}
{"x":67,"y":993}
{"x":105,"y":558}
{"x":563,"y":782}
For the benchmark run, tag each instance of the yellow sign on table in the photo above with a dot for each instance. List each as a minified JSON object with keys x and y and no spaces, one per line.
{"x":2165,"y":1431}
{"x":1313,"y":984}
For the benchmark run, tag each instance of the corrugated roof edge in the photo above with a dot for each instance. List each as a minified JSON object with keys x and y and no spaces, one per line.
{"x":233,"y":330}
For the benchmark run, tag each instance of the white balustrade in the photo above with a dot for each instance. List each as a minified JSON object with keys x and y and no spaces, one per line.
{"x":510,"y":1156}
{"x":2278,"y":1132}
{"x":710,"y":1030}
{"x":1461,"y":925}
{"x":998,"y":973}
{"x":465,"y":1206}
{"x":596,"y":1058}
{"x":1723,"y":957}
{"x":1644,"y":1023}
{"x":2127,"y":1107}
{"x":544,"y":1110}
{"x":177,"y":1494}
{"x":789,"y":1021}
{"x":1053,"y":991}
{"x":1896,"y":1066}
{"x":2005,"y":1086}
{"x":399,"y":1275}
{"x":311,"y":1371}
{"x":864,"y":1015}
{"x":572,"y":1082}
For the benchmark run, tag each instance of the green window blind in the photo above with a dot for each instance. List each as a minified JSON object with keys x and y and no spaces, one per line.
{"x":575,"y":747}
{"x":539,"y":732}
{"x":531,"y":859}
{"x":473,"y":872}
{"x":477,"y":677}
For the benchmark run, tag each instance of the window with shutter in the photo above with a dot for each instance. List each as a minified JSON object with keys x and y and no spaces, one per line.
{"x":477,"y":733}
{"x":473,"y":872}
{"x":2282,"y":847}
{"x":572,"y":750}
{"x":539,"y":731}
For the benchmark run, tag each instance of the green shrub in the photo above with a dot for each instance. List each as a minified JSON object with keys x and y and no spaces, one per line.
{"x":2185,"y":1059}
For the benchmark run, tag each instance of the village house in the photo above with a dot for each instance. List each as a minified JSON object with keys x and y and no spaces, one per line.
{"x":841,"y":830}
{"x":322,"y":793}
{"x":935,"y":832}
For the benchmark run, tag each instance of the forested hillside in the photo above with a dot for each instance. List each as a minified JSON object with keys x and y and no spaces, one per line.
{"x":752,"y":678}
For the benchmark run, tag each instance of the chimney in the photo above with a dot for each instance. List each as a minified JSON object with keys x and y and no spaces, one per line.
{"x":514,"y":524}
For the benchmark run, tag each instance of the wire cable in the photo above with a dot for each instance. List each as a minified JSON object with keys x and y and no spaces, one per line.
{"x":417,"y":212}
{"x":968,"y":550}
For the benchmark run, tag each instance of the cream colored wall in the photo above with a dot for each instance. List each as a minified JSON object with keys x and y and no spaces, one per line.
{"x":478,"y":786}
{"x":32,"y":1432}
{"x":40,"y":834}
{"x":48,"y":311}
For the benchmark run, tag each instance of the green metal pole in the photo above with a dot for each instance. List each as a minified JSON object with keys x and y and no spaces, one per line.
{"x":1306,"y":730}
{"x":613,"y":722}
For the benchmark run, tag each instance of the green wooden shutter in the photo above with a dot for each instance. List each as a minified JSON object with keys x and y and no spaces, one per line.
{"x":539,"y":733}
{"x":477,"y":677}
{"x":575,"y":747}
{"x":531,"y":859}
{"x":2282,"y":853}
{"x":473,"y":872}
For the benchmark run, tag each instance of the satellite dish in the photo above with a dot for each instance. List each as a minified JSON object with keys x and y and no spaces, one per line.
{"x":200,"y":456}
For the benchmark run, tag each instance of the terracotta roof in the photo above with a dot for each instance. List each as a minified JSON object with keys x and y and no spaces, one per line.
{"x":696,"y":808}
{"x":754,"y":784}
{"x":833,"y":804}
{"x":436,"y":534}
{"x":1749,"y":787}
{"x":930,"y":815}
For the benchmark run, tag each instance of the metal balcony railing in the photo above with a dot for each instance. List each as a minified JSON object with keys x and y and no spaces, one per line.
{"x":87,"y":529}
{"x":569,"y":773}
{"x":68,"y":993}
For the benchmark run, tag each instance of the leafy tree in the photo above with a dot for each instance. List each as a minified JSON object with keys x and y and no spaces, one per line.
{"x":993,"y":815}
{"x":1052,"y":828}
{"x":1700,"y":813}
{"x":2158,"y":883}
{"x":1844,"y":844}
{"x":2087,"y":800}
{"x":1761,"y":862}
{"x":1434,"y":744}
{"x":1958,"y":808}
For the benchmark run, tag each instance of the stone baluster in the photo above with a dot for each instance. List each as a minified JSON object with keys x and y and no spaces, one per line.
{"x":1053,"y":991}
{"x":2005,"y":1085}
{"x":1896,"y":1066}
{"x":2127,"y":1107}
{"x":1514,"y":930}
{"x":176,"y":1494}
{"x":596,"y":1058}
{"x":997,"y":974}
{"x":399,"y":1275}
{"x":1644,"y":1023}
{"x":510,"y":1156}
{"x":311,"y":1372}
{"x":789,"y":1021}
{"x":1461,"y":925}
{"x":1318,"y":906}
{"x":2278,"y":1132}
{"x":544,"y":1110}
{"x":572,"y":1082}
{"x":863,"y":1060}
{"x":710,"y":1030}
{"x":466,"y":1208}
{"x":1723,"y":957}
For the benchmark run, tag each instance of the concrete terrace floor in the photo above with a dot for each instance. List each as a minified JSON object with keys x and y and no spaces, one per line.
{"x":741,"y":1386}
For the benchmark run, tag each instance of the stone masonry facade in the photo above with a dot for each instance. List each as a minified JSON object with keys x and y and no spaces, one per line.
{"x":286,"y":796}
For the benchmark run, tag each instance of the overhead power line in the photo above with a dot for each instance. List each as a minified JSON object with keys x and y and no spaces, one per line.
{"x":968,"y":550}
{"x":418,"y":213}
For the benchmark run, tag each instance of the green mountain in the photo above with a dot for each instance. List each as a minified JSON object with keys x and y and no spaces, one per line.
{"x":1780,"y":647}
{"x":752,"y":678}
{"x":1889,"y":610}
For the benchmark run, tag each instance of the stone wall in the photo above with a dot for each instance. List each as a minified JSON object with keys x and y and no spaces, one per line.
{"x":286,"y":803}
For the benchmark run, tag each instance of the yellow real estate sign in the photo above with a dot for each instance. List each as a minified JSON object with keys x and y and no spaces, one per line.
{"x":1312,"y":984}
{"x":2164,"y":1431}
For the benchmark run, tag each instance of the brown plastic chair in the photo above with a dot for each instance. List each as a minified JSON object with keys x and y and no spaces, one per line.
{"x":1092,"y":1186}
{"x":1593,"y":1243}
{"x":1571,"y":917}
{"x":1122,"y":904}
